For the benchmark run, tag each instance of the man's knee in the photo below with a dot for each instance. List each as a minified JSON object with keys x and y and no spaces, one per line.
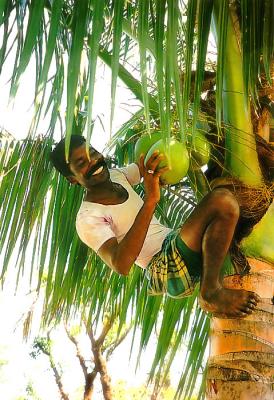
{"x":224,"y":203}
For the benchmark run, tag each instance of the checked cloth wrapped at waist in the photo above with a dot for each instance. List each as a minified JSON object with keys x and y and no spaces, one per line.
{"x":175,"y":270}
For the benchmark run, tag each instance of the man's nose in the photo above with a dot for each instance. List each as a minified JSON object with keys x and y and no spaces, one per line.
{"x":93,"y":156}
{"x":93,"y":161}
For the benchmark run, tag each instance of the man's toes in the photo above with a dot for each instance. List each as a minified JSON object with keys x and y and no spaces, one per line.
{"x":241,"y":314}
{"x":243,"y":307}
{"x":253,"y":299}
{"x":244,"y":314}
{"x":247,"y":310}
{"x":251,"y":307}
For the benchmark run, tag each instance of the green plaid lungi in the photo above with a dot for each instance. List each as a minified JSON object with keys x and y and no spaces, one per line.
{"x":175,"y":269}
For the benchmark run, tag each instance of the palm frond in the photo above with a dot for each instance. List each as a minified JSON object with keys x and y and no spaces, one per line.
{"x":204,"y":20}
{"x":55,"y":16}
{"x":79,"y":22}
{"x":97,"y":29}
{"x":117,"y":35}
{"x":33,"y":32}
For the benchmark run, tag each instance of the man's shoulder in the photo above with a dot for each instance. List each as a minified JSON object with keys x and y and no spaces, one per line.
{"x":130,"y":172}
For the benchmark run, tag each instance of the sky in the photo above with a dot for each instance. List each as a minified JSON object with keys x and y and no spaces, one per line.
{"x":16,"y":116}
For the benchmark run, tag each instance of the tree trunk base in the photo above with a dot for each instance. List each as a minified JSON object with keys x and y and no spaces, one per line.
{"x":241,"y":362}
{"x":222,"y":390}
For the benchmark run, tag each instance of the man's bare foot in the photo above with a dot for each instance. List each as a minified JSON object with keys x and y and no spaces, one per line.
{"x":230,"y":302}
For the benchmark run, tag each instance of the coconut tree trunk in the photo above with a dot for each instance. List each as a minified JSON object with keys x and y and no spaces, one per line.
{"x":240,"y":365}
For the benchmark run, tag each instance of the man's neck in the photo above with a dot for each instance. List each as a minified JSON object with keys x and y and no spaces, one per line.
{"x":108,"y":193}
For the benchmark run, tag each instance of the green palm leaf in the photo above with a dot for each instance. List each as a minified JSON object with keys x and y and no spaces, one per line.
{"x":36,"y":9}
{"x":56,"y":9}
{"x":97,"y":29}
{"x":3,"y":5}
{"x":80,"y":14}
{"x":204,"y":20}
{"x":142,"y":34}
{"x":189,"y":37}
{"x":117,"y":35}
{"x":160,"y":60}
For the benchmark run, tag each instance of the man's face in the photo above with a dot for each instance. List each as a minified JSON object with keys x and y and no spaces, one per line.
{"x":87,"y":172}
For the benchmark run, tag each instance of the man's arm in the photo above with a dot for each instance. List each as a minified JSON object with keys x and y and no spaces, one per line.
{"x":121,"y":256}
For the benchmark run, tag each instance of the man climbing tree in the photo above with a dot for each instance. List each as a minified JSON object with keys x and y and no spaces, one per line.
{"x":116,"y":223}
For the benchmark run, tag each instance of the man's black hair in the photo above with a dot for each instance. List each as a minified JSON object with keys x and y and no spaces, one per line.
{"x":57,"y":156}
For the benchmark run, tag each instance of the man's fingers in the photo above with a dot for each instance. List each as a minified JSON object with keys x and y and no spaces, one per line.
{"x":154,"y":160}
{"x":160,"y":171}
{"x":141,"y":159}
{"x":141,"y":164}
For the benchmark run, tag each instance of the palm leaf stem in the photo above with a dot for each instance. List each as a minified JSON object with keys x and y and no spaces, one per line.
{"x":80,"y":14}
{"x":93,"y":44}
{"x":240,"y":140}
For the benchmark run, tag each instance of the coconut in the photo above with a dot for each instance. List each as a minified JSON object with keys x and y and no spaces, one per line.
{"x":176,"y":158}
{"x":144,"y":143}
{"x":200,"y":150}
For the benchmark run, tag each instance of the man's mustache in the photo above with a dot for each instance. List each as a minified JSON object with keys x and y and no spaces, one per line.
{"x":100,"y":163}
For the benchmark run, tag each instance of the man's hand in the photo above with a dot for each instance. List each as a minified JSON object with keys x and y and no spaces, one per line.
{"x":121,"y":256}
{"x":151,"y":174}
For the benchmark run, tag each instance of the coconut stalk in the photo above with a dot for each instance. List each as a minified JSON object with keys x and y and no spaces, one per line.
{"x":242,"y":172}
{"x":241,"y":158}
{"x":241,"y":359}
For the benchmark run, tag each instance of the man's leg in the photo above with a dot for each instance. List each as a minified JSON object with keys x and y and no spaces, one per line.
{"x":209,"y":230}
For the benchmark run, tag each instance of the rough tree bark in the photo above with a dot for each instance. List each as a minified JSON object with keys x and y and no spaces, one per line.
{"x":242,"y":350}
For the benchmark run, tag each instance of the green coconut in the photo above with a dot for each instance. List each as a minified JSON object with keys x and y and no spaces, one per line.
{"x":176,"y":158}
{"x":200,"y":150}
{"x":144,"y":143}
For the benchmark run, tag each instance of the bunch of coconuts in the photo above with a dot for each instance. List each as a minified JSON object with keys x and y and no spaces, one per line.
{"x":176,"y":154}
